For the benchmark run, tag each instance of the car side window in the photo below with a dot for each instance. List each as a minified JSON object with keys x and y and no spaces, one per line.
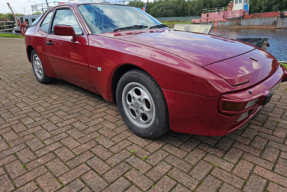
{"x":66,"y":17}
{"x":45,"y":24}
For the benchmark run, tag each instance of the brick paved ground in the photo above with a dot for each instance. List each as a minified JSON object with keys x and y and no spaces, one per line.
{"x":61,"y":137}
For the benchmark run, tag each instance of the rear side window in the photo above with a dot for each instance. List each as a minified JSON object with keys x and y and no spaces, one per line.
{"x":66,"y":17}
{"x":35,"y":21}
{"x":45,"y":24}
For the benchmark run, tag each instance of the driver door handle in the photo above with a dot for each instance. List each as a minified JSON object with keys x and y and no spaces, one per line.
{"x":49,"y":43}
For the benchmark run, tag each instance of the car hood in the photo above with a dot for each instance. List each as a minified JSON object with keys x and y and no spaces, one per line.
{"x":236,"y":62}
{"x":200,"y":49}
{"x":248,"y":69}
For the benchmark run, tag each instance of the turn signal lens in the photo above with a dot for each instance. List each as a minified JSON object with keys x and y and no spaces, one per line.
{"x":230,"y":106}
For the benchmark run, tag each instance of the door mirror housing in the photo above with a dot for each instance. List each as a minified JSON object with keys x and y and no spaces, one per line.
{"x":65,"y":30}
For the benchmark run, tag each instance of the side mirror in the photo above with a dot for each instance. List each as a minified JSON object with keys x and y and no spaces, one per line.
{"x":65,"y":30}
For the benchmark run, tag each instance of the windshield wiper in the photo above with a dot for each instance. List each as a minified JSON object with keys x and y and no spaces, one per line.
{"x":158,"y":26}
{"x":131,"y":27}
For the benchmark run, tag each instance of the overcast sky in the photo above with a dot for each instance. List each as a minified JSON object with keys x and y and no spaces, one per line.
{"x":19,"y":5}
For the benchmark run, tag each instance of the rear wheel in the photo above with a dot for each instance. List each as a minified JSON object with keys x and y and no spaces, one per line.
{"x":38,"y":69}
{"x":142,"y":104}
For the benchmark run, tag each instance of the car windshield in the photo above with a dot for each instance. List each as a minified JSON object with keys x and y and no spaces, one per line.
{"x":108,"y":18}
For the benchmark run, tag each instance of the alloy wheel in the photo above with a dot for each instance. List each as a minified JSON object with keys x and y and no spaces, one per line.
{"x":37,"y":65}
{"x":138,"y":105}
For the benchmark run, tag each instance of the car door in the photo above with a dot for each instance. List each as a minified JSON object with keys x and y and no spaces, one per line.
{"x":69,"y":59}
{"x":39,"y":41}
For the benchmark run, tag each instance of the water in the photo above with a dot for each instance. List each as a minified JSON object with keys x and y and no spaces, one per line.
{"x":277,"y":38}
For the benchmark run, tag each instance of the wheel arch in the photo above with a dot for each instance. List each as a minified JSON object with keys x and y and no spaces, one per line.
{"x":29,"y":51}
{"x":119,"y":72}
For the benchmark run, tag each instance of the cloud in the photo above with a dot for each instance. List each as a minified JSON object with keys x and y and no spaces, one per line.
{"x":18,"y":5}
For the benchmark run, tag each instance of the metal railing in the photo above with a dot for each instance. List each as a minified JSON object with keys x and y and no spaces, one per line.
{"x":43,"y":6}
{"x":212,"y":10}
{"x":6,"y":26}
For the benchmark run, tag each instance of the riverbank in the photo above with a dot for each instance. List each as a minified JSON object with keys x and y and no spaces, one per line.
{"x":258,"y":23}
{"x":171,"y":24}
{"x":284,"y":64}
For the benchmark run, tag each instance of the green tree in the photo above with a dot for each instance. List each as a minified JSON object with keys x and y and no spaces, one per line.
{"x":8,"y":16}
{"x":181,"y":9}
{"x":175,"y":8}
{"x":164,"y":9}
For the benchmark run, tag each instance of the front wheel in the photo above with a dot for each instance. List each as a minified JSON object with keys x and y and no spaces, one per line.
{"x":142,"y":104}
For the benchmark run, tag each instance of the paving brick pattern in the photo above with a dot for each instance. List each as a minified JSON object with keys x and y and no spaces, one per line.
{"x":60,"y":137}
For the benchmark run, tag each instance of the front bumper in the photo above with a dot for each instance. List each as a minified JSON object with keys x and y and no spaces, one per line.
{"x":200,"y":115}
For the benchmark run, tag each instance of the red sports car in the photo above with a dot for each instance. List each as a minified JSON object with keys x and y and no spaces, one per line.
{"x":160,"y":78}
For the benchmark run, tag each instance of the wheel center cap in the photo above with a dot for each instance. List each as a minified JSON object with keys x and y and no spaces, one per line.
{"x":137,"y":106}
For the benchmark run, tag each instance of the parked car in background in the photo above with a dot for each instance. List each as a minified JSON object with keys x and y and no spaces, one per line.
{"x":160,"y":78}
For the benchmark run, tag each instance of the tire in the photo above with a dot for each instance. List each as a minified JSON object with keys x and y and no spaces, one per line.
{"x":142,"y":104}
{"x":38,"y":69}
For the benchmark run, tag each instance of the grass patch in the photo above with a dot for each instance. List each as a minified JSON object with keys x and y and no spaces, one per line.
{"x":174,"y":22}
{"x":10,"y":35}
{"x":284,"y":64}
{"x":133,"y":151}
